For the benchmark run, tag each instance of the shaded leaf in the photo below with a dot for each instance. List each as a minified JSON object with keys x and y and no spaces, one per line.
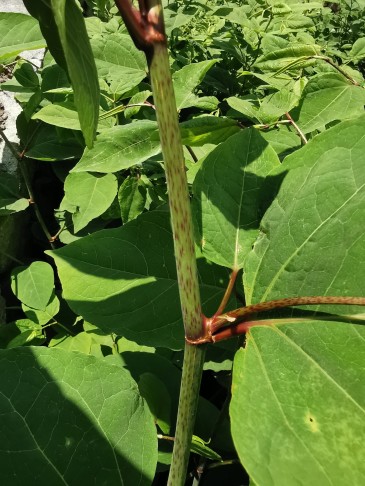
{"x":227,"y":197}
{"x":115,"y":278}
{"x":25,"y":75}
{"x":42,"y":11}
{"x":312,"y":237}
{"x":282,"y":140}
{"x":80,"y":64}
{"x":132,"y":196}
{"x":23,"y":332}
{"x":187,"y":79}
{"x":207,"y":129}
{"x":49,"y":143}
{"x":156,"y":395}
{"x":10,"y":199}
{"x":71,"y":418}
{"x":90,"y":194}
{"x":33,"y":285}
{"x":198,"y":446}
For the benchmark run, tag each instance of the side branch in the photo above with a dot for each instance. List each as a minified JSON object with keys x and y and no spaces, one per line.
{"x":231,"y":321}
{"x":242,"y":312}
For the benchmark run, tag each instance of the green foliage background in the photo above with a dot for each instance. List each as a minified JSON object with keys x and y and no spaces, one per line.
{"x":270,"y":97}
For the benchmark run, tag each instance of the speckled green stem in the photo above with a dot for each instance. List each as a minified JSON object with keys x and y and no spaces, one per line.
{"x":164,"y":100}
{"x":188,"y":403}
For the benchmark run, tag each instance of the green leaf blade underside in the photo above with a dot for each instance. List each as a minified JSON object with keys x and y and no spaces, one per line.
{"x":18,"y":32}
{"x":62,"y":115}
{"x":80,"y":64}
{"x":284,"y":58}
{"x":308,"y":427}
{"x":121,"y":147}
{"x":124,"y":281}
{"x":70,"y":419}
{"x":227,"y":197}
{"x":312,"y":237}
{"x":326,"y":98}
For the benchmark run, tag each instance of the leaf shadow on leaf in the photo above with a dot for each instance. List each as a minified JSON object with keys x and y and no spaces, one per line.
{"x":124,"y":281}
{"x":48,"y":434}
{"x":149,"y":314}
{"x":138,"y":363}
{"x":266,"y":189}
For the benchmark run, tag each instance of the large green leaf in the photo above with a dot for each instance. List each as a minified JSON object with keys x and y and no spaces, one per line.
{"x":187,"y":79}
{"x":90,"y":194}
{"x":328,"y":97}
{"x":227,"y":197}
{"x":70,"y":419}
{"x":313,"y":237}
{"x":119,"y":61}
{"x":18,"y":32}
{"x":121,"y":147}
{"x":298,"y":404}
{"x":124,"y":281}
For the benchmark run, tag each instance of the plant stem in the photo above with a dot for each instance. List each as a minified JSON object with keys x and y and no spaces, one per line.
{"x":147,"y":30}
{"x":179,"y":201}
{"x":191,"y":152}
{"x":188,"y":403}
{"x":28,"y":186}
{"x":300,"y":133}
{"x":338,"y":68}
{"x":182,"y":228}
{"x":228,"y":292}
